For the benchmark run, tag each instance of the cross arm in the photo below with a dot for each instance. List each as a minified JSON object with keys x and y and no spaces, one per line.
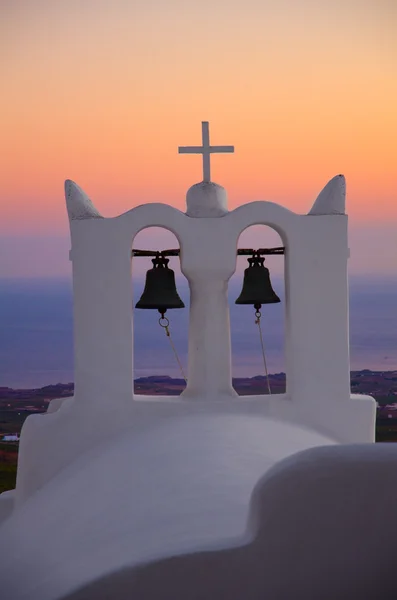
{"x":190,"y":150}
{"x":221,"y":149}
{"x":199,"y":149}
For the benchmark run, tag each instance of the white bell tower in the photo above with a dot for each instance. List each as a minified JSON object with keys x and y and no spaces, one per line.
{"x":316,"y":313}
{"x":317,"y":331}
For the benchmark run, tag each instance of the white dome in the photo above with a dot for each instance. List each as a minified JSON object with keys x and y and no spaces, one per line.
{"x":206,"y":199}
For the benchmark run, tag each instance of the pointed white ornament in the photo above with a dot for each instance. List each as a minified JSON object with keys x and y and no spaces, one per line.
{"x":78,"y":204}
{"x":332,"y":199}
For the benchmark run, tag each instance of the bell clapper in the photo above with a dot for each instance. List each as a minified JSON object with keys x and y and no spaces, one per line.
{"x":165,"y":324}
{"x":258,"y":316}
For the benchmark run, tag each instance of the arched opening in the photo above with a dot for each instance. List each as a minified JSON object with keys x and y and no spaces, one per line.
{"x":156,"y":370}
{"x":249,"y":366}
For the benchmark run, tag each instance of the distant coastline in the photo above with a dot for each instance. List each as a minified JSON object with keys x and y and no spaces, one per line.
{"x":17,"y":404}
{"x":380,"y":384}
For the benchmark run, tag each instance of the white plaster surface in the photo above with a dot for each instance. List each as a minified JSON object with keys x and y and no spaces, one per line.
{"x":321,"y":526}
{"x":206,"y":199}
{"x":7,"y":500}
{"x":316,"y":310}
{"x":78,"y":204}
{"x":317,"y":352}
{"x":318,"y":523}
{"x":163,"y":488}
{"x":55,"y":404}
{"x":332,"y":199}
{"x":109,"y":479}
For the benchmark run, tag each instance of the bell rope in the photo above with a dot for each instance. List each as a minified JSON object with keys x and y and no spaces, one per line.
{"x":258,"y":322}
{"x":164,"y":323}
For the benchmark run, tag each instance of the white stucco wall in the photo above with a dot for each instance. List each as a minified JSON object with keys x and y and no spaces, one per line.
{"x":317,"y":345}
{"x":109,"y":480}
{"x":176,"y":480}
{"x":196,"y":518}
{"x":316,"y":314}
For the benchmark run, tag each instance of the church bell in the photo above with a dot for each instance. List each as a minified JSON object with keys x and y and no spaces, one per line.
{"x":160,"y":290}
{"x":257,"y":288}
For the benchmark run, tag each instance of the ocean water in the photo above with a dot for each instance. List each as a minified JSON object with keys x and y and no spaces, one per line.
{"x":36,"y":337}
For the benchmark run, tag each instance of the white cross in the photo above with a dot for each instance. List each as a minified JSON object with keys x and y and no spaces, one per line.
{"x":205,"y":150}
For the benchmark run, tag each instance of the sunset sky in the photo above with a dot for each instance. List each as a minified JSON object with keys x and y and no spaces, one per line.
{"x":104,"y":91}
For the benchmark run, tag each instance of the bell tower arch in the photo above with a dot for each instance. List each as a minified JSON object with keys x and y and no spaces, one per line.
{"x":157,"y":280}
{"x":252,"y":338}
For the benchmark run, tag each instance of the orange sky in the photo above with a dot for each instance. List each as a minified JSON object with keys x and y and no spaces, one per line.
{"x":104,"y":91}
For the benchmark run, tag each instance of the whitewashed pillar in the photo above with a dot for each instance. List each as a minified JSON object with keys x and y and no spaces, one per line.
{"x":317,"y":327}
{"x":208,"y":260}
{"x":102,"y":298}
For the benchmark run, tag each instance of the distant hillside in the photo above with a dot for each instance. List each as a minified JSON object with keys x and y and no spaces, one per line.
{"x":17,"y":404}
{"x":382,"y":385}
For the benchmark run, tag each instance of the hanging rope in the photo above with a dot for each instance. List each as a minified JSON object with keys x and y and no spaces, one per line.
{"x":164,"y":323}
{"x":258,"y":322}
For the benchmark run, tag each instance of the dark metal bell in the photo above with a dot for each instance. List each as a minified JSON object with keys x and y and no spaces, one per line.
{"x":160,"y":290}
{"x":257,"y":288}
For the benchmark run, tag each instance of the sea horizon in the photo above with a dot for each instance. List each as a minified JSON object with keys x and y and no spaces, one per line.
{"x":36,"y":331}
